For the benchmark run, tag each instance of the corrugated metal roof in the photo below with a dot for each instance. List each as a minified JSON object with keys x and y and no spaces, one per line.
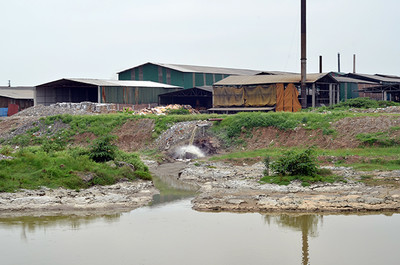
{"x":380,"y":78}
{"x":17,"y":92}
{"x":105,"y":83}
{"x":343,"y":79}
{"x":202,"y":69}
{"x":268,"y":79}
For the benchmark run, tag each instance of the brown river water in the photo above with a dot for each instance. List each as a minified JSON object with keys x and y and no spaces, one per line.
{"x":170,"y":232}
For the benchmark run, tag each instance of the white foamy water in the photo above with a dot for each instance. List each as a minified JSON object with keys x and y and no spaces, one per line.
{"x":188,"y":152}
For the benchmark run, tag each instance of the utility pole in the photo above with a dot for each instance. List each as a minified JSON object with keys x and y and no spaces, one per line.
{"x":303,"y":55}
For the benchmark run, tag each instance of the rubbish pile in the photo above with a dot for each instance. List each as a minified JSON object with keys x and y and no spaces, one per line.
{"x":390,"y":109}
{"x":164,"y":110}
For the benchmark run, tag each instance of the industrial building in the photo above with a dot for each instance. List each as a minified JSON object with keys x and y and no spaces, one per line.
{"x":186,"y":76}
{"x":378,"y":86}
{"x":101,"y":91}
{"x":14,"y":99}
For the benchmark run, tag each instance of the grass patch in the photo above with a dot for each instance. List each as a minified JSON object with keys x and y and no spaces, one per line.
{"x":305,"y":180}
{"x":378,"y":138}
{"x":377,"y":164}
{"x":360,"y":103}
{"x":32,"y":168}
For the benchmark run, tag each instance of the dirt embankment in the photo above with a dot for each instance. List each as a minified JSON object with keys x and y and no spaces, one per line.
{"x":345,"y":134}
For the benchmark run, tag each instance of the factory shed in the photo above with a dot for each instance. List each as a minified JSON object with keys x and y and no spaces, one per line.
{"x":101,"y":91}
{"x":14,"y":99}
{"x":186,"y":76}
{"x":380,"y":87}
{"x":266,"y":92}
{"x":350,"y":87}
{"x":199,"y":98}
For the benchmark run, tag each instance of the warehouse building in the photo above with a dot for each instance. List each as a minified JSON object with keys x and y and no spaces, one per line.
{"x":101,"y":91}
{"x":14,"y":99}
{"x":186,"y":76}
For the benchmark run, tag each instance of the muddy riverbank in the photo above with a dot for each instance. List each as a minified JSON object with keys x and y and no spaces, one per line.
{"x":122,"y":196}
{"x":224,"y":187}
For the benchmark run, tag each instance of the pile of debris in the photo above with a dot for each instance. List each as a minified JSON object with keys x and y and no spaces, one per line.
{"x":163,"y":110}
{"x":54,"y":109}
{"x":390,"y":109}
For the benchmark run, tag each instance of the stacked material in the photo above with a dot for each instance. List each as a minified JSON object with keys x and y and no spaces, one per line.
{"x":163,"y":110}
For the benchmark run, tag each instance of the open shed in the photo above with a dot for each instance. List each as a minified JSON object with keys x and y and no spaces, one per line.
{"x":101,"y":91}
{"x":199,"y":98}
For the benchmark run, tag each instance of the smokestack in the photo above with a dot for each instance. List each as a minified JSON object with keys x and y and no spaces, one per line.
{"x":320,"y":63}
{"x":303,"y":55}
{"x":338,"y":62}
{"x":354,"y":63}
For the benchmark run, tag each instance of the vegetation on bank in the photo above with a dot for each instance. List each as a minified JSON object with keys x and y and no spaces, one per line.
{"x":296,"y":165}
{"x":73,"y":168}
{"x":359,"y":103}
{"x":367,"y":158}
{"x":32,"y":168}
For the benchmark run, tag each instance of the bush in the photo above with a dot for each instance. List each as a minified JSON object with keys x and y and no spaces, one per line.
{"x":364,"y":103}
{"x":293,"y":163}
{"x":102,"y":150}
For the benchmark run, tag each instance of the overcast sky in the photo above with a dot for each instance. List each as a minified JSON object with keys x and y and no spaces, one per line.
{"x":45,"y":40}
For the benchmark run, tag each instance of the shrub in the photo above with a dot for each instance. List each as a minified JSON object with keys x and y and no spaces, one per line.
{"x":267,"y":161}
{"x":293,"y":163}
{"x":102,"y":149}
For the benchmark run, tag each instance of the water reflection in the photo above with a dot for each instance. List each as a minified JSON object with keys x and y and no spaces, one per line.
{"x":307,"y":224}
{"x":30,"y":224}
{"x":171,"y":189}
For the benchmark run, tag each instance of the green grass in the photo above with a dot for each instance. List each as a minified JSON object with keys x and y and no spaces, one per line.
{"x":33,"y":168}
{"x":379,"y":138}
{"x":305,"y":180}
{"x":273,"y":152}
{"x":371,"y":158}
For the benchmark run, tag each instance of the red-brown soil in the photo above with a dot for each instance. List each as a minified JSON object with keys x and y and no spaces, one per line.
{"x":135,"y":135}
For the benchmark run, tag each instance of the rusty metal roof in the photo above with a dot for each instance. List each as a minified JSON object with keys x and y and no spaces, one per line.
{"x":17,"y":92}
{"x":269,"y":79}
